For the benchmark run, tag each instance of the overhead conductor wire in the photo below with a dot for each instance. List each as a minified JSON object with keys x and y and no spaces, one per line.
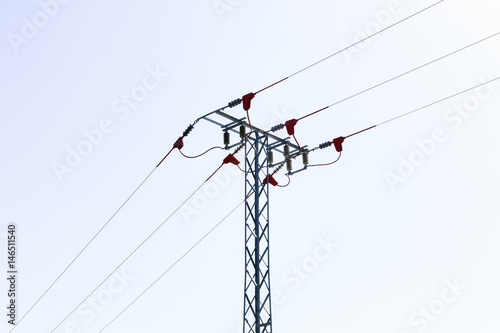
{"x":433,"y":103}
{"x":382,"y":123}
{"x":218,"y":224}
{"x":173,"y":265}
{"x":192,"y":248}
{"x":246,"y":99}
{"x":229,"y":159}
{"x":246,"y":105}
{"x":338,"y":141}
{"x":326,"y":164}
{"x":83,"y":249}
{"x":290,"y":124}
{"x":403,"y":74}
{"x":179,"y":144}
{"x":206,"y":151}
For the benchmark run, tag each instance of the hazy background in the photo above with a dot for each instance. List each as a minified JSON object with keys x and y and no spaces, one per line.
{"x":398,"y":246}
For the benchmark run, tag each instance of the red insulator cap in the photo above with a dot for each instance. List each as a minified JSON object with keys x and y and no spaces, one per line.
{"x":338,"y":143}
{"x":179,"y":143}
{"x":247,"y":101}
{"x":271,"y":179}
{"x":290,"y":126}
{"x":231,"y":159}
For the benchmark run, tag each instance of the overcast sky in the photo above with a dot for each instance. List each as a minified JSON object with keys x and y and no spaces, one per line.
{"x":400,"y":236}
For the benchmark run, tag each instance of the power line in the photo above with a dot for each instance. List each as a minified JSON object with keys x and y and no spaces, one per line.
{"x":130,"y":255}
{"x":179,"y":144}
{"x":82,"y":250}
{"x":163,"y":159}
{"x":419,"y":67}
{"x":289,"y":180}
{"x":438,"y":101}
{"x":292,"y":122}
{"x":246,"y":99}
{"x":249,"y":97}
{"x":326,"y":164}
{"x":230,"y":104}
{"x":218,"y":224}
{"x":140,"y":245}
{"x":196,"y":156}
{"x":173,"y":265}
{"x":338,"y":141}
{"x":366,"y":38}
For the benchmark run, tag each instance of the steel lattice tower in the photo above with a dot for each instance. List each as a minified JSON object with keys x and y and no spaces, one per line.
{"x":257,"y":297}
{"x":257,"y":301}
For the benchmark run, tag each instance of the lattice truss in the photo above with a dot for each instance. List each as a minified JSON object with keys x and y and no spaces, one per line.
{"x":257,"y":302}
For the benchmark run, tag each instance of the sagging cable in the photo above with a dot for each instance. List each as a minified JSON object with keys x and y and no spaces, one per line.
{"x":326,"y":164}
{"x":289,"y":180}
{"x":206,"y":151}
{"x":290,"y":129}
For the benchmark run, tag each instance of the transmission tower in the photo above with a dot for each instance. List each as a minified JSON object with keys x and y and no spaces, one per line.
{"x":257,"y":301}
{"x":259,"y":148}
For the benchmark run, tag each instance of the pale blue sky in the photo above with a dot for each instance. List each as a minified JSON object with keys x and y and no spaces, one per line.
{"x":399,"y":244}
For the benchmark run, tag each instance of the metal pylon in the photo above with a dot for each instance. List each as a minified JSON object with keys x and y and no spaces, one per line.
{"x":257,"y":300}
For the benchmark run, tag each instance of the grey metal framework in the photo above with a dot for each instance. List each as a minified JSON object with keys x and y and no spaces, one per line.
{"x":257,"y":302}
{"x":257,"y":298}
